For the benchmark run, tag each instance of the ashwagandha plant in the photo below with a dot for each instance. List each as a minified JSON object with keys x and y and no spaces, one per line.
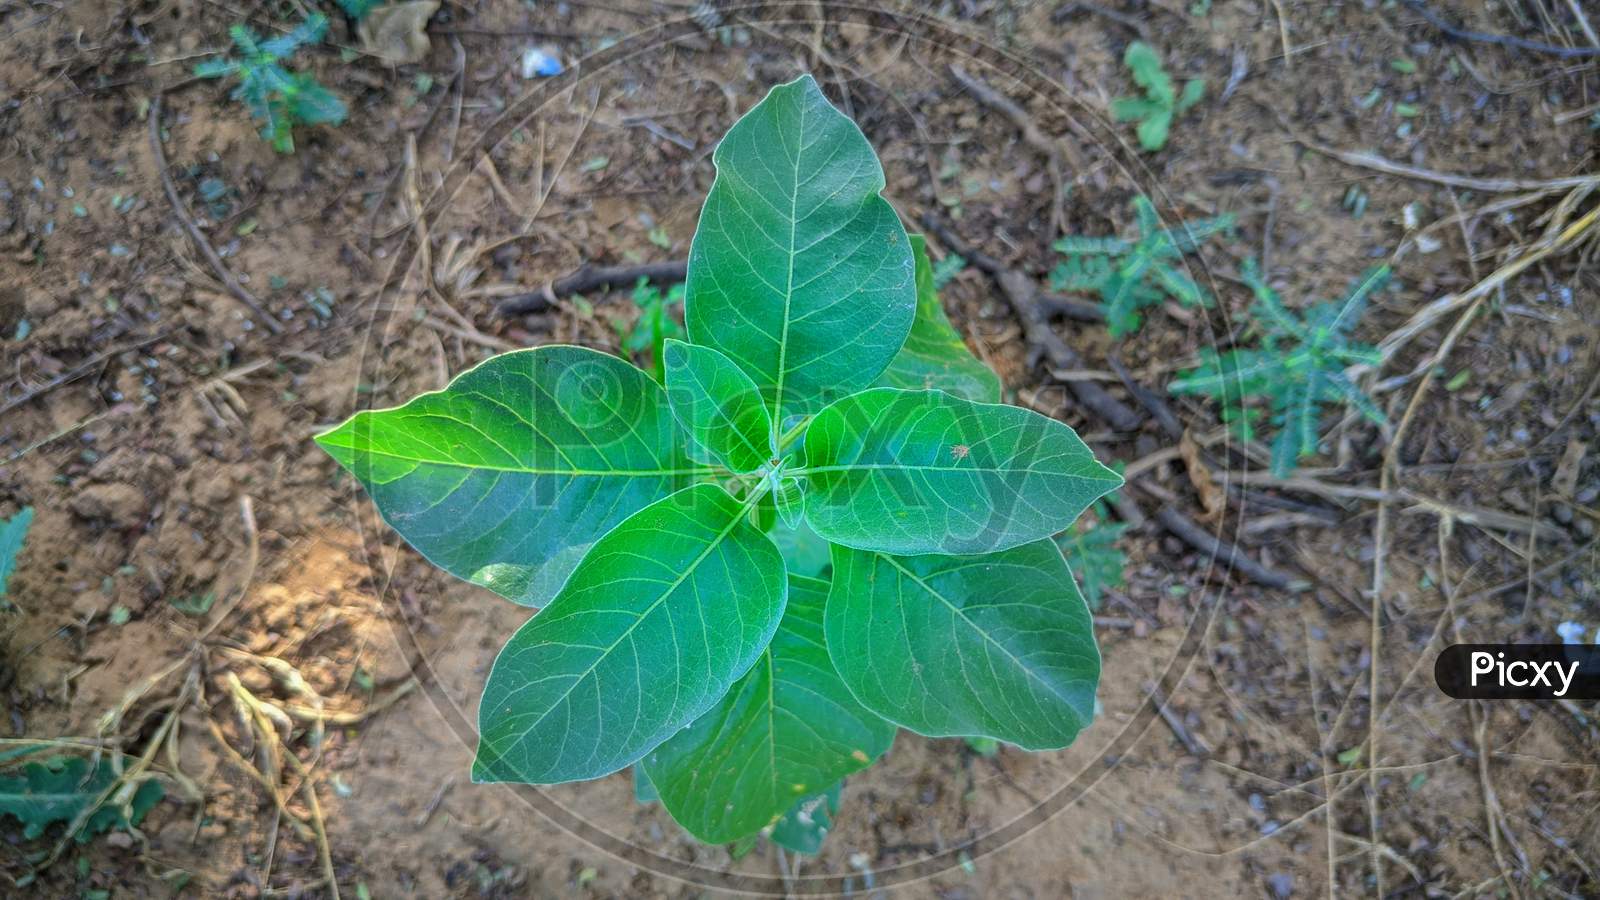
{"x":1299,"y":366}
{"x":821,"y":392}
{"x":1130,"y":274}
{"x":280,"y":98}
{"x":1161,"y":102}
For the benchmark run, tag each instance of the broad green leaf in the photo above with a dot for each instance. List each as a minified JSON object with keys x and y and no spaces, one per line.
{"x":12,"y":531}
{"x":663,"y":615}
{"x":799,"y":271}
{"x":934,"y":355}
{"x":999,"y":645}
{"x":506,"y":476}
{"x":925,"y":472}
{"x":787,"y":729}
{"x":806,"y":825}
{"x":60,"y":790}
{"x":719,"y":408}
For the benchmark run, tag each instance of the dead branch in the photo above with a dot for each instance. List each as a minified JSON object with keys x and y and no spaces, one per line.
{"x":1023,"y":296}
{"x":592,"y":278}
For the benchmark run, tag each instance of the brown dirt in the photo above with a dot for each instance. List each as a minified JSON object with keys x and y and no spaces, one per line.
{"x":182,"y":409}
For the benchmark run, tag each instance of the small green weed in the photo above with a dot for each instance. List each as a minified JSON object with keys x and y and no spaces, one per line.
{"x":1132,"y":273}
{"x":67,"y":790}
{"x":1298,"y":367}
{"x":280,"y":98}
{"x":656,"y":323}
{"x":1161,"y":102}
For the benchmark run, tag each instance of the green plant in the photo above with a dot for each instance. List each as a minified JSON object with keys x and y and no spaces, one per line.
{"x":674,"y":632}
{"x":1092,"y":552}
{"x":68,"y":790}
{"x":1298,"y":367}
{"x":1161,"y":101}
{"x":280,"y":98}
{"x":655,"y":324}
{"x":1132,"y":273}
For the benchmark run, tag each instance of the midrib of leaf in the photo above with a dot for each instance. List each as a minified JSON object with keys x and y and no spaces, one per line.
{"x":755,"y":496}
{"x":987,"y":638}
{"x":788,"y":290}
{"x":526,"y":470}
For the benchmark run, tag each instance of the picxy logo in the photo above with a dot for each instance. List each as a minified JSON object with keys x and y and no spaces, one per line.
{"x":1519,"y":671}
{"x":1522,"y":673}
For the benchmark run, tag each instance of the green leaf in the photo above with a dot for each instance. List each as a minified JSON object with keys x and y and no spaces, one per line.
{"x":934,"y":355}
{"x":61,"y":790}
{"x":804,"y":827}
{"x":1132,"y":109}
{"x":12,"y":533}
{"x":312,"y":104}
{"x":799,"y":271}
{"x":1145,"y":64}
{"x":719,"y":407}
{"x":663,"y":615}
{"x":215,"y":68}
{"x":787,"y":729}
{"x":999,"y":645}
{"x":506,"y":476}
{"x":925,"y":472}
{"x":643,"y":791}
{"x":308,"y":32}
{"x":1192,"y":92}
{"x":1152,"y":132}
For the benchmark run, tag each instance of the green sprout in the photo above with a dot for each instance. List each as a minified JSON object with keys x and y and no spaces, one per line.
{"x":1161,"y":101}
{"x":280,"y":98}
{"x":1132,"y":273}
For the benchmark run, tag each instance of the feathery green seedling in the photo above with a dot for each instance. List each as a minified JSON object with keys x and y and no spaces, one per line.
{"x":1298,"y":367}
{"x":280,"y":98}
{"x":1161,"y":102}
{"x":1132,"y":273}
{"x":655,"y":325}
{"x":822,"y":397}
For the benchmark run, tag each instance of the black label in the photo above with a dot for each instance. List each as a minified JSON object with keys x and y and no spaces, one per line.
{"x":1519,"y":671}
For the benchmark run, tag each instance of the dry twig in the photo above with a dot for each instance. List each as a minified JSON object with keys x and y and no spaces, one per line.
{"x":196,"y":236}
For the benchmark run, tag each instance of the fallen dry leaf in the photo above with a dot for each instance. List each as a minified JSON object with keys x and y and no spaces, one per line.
{"x":396,"y":33}
{"x":1212,"y":498}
